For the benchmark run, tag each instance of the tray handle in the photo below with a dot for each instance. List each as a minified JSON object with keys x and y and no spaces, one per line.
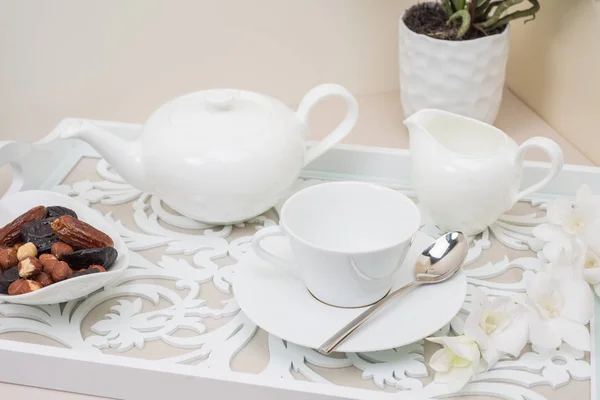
{"x":12,"y":152}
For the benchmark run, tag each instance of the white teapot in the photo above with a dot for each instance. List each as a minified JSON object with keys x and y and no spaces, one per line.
{"x":219,"y":156}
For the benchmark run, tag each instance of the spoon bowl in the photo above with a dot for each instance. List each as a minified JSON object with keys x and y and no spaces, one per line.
{"x":437,"y":263}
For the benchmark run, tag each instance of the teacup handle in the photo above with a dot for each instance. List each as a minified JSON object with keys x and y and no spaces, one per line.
{"x":265,"y":255}
{"x":554,"y":152}
{"x":342,"y":130}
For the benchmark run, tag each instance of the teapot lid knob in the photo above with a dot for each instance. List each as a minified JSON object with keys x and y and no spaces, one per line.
{"x":215,"y":111}
{"x":221,"y":100}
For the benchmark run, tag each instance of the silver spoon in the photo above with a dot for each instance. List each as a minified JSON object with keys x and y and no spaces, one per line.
{"x":435,"y":264}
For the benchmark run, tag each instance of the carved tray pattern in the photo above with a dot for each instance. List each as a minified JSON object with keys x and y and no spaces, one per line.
{"x":175,"y":303}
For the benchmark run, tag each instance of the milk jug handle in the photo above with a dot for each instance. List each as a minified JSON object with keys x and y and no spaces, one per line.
{"x":554,"y":152}
{"x":314,"y":96}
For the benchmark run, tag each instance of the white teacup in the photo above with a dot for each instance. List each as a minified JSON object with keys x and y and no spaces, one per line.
{"x":347,"y":240}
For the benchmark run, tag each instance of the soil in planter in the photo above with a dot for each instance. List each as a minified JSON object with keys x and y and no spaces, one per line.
{"x":430,"y":18}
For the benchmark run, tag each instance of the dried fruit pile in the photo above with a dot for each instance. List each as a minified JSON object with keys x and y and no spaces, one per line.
{"x":48,"y":245}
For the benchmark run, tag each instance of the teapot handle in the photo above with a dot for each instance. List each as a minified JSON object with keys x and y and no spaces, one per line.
{"x":554,"y":152}
{"x":342,"y":130}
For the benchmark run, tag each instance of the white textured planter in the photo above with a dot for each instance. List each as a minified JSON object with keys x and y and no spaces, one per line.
{"x":463,"y":77}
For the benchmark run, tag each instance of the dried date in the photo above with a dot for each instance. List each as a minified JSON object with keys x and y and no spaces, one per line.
{"x":11,"y":233}
{"x":79,"y":234}
{"x":83,"y":272}
{"x":81,"y":259}
{"x":59,"y":211}
{"x":40,"y":233}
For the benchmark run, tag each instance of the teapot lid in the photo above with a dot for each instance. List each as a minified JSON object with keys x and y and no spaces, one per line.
{"x":214,"y":112}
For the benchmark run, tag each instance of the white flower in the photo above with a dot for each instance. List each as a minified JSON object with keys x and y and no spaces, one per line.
{"x":559,"y":310}
{"x":499,"y":327}
{"x":567,"y":262}
{"x":456,"y":362}
{"x":591,"y":269}
{"x":575,"y":220}
{"x":576,"y":260}
{"x":567,"y":222}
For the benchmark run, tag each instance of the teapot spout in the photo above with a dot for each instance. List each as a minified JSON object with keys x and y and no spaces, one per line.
{"x":123,"y":155}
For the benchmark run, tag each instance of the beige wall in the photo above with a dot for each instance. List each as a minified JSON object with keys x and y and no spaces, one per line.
{"x":119,"y":60}
{"x":555,"y":68}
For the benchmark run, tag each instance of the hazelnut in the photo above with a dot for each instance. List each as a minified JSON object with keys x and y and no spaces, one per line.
{"x":45,"y":257}
{"x":61,"y":271}
{"x":48,"y":261}
{"x":26,"y":251}
{"x":60,"y":248}
{"x":29,"y":267}
{"x":44,"y":279}
{"x":8,"y":258}
{"x":99,"y":268}
{"x":22,"y":286}
{"x":16,"y":246}
{"x":49,"y":266}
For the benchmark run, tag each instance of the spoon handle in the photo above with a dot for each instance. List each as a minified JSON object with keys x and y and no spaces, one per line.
{"x":334,"y":341}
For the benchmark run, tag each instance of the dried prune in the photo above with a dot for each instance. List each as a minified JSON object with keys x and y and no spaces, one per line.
{"x":9,"y":276}
{"x":84,"y":272}
{"x":37,"y":228}
{"x":4,"y":284}
{"x":40,"y":233}
{"x":59,"y":211}
{"x":12,"y":274}
{"x":44,"y":244}
{"x":80,"y":259}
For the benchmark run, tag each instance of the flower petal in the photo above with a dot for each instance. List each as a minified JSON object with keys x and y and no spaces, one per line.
{"x":462,"y":346}
{"x":566,"y":259}
{"x":472,"y":329}
{"x":592,"y":275}
{"x":558,"y":211}
{"x":440,"y":360}
{"x":513,"y":338}
{"x":543,"y":333}
{"x":455,"y":379}
{"x":550,"y":233}
{"x":571,"y":251}
{"x":587,"y":203}
{"x":552,"y":250}
{"x":591,"y":236}
{"x":576,"y":335}
{"x":577,"y":222}
{"x":540,"y":286}
{"x":491,"y":355}
{"x":501,"y":304}
{"x":578,"y":301}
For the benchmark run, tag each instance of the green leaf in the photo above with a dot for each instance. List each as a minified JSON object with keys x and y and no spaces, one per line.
{"x":497,"y":20}
{"x":448,"y":7}
{"x":465,"y":17}
{"x":459,"y":4}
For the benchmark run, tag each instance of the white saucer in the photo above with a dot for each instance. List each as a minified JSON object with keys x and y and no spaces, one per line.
{"x":275,"y":299}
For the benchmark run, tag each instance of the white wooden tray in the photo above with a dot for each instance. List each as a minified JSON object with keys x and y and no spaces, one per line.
{"x":123,"y":342}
